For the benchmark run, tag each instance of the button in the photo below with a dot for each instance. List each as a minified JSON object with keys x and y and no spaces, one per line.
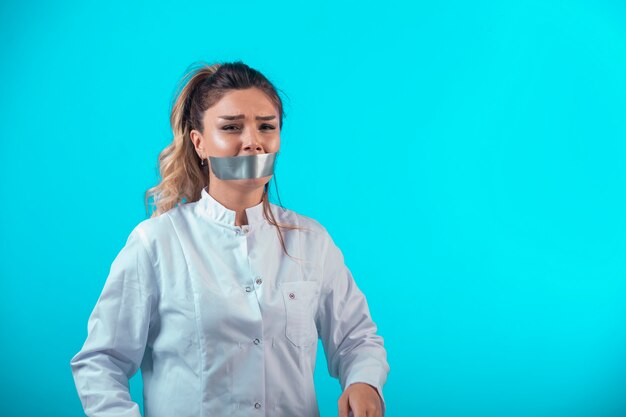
{"x":257,"y":341}
{"x":259,"y":281}
{"x":257,"y":405}
{"x":248,"y":289}
{"x":292,"y":295}
{"x":238,"y":231}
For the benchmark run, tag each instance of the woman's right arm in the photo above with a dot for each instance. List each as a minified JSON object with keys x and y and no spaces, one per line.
{"x":117,"y":331}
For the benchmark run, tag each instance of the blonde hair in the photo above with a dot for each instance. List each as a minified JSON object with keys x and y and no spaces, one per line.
{"x":182,"y":178}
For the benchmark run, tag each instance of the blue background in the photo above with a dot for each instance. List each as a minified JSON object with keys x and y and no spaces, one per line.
{"x":469,"y":158}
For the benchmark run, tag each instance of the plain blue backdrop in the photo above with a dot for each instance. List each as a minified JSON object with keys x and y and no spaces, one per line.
{"x":469,"y":158}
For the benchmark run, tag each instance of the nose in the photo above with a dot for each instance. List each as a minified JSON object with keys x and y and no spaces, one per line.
{"x":252,"y":143}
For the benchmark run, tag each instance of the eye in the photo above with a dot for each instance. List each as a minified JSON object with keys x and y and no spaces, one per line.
{"x":267,"y":126}
{"x":230,"y":127}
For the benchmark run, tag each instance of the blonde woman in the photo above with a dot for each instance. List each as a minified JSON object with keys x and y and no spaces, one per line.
{"x":220,"y":297}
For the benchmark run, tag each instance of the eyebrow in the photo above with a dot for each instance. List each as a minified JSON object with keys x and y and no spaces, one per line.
{"x":241,"y":116}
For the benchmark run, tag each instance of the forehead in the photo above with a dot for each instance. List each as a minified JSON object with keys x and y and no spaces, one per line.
{"x":249,"y":101}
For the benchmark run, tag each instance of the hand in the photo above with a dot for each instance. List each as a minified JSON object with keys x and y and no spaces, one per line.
{"x":362,"y":399}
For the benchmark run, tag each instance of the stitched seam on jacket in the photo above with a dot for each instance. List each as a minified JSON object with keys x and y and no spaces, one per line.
{"x":196,"y":316}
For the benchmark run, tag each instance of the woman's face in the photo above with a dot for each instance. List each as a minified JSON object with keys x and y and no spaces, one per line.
{"x":242,"y":122}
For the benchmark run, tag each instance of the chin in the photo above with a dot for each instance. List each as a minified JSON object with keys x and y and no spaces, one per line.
{"x":251,"y":183}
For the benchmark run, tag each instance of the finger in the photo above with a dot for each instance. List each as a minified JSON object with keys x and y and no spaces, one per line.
{"x":376,"y":411}
{"x":343,"y":406}
{"x":375,"y":408}
{"x":357,"y":409}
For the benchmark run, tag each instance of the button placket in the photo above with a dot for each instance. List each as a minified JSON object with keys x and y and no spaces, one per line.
{"x":241,"y":230}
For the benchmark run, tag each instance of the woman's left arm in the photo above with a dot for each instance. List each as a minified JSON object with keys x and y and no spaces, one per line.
{"x":354,"y":352}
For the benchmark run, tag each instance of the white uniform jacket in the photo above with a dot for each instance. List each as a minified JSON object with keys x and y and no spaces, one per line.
{"x":222,"y":322}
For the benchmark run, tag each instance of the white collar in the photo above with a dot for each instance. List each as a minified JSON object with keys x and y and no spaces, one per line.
{"x":217,"y":212}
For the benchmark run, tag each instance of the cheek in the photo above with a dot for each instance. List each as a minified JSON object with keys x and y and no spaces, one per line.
{"x":274,"y":144}
{"x":219,"y":141}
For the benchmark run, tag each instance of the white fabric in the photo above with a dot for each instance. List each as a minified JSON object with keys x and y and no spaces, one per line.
{"x":222,"y":322}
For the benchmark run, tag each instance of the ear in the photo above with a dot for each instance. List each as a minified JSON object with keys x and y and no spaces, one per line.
{"x":196,"y":140}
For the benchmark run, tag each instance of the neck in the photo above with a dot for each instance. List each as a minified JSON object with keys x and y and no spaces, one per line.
{"x":236,"y":200}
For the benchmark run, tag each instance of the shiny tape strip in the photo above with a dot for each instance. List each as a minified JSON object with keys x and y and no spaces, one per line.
{"x":243,"y":167}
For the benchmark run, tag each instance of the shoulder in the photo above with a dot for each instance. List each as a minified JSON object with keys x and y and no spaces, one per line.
{"x":155,"y":230}
{"x":153,"y":226}
{"x":308,"y":224}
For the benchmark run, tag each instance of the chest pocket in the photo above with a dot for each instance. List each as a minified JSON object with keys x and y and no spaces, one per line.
{"x":300,"y":301}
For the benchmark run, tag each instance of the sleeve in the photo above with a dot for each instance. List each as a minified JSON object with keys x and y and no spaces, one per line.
{"x":117,"y":331}
{"x":355,"y":353}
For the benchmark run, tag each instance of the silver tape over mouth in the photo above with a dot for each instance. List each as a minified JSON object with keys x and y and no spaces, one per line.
{"x":243,"y":167}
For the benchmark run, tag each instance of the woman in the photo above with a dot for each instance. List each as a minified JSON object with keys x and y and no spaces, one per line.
{"x":220,"y":296}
